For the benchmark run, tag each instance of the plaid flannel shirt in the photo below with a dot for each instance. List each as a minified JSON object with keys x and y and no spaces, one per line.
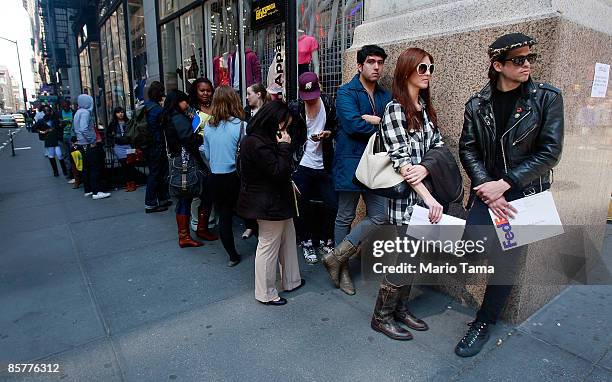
{"x":405,"y":146}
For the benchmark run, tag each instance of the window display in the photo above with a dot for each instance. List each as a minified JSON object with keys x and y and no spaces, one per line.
{"x":171,"y":54}
{"x":192,"y":32}
{"x":224,"y":41}
{"x":138,"y":45}
{"x":325,"y":31}
{"x":264,"y":53}
{"x":114,"y":62}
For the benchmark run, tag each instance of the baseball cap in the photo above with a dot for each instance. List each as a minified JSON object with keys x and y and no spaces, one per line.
{"x":309,"y":87}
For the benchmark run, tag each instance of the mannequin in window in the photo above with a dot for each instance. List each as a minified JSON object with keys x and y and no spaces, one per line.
{"x":307,"y":53}
{"x":192,"y":71}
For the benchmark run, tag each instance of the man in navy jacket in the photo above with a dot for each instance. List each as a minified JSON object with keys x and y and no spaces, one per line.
{"x":359,"y":107}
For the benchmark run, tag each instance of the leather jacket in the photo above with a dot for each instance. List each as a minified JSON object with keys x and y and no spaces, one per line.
{"x":531,"y":143}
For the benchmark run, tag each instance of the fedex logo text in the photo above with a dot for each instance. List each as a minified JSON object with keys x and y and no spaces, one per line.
{"x":507,"y":228}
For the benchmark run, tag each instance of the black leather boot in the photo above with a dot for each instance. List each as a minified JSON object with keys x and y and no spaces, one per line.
{"x":402,"y":313}
{"x":473,"y":341}
{"x":382,"y":319}
{"x":54,"y":166}
{"x":63,"y":166}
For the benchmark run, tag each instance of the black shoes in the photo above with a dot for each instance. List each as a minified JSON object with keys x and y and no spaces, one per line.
{"x":280,"y":301}
{"x":302,"y":282}
{"x":156,"y":209}
{"x":474,"y":340}
{"x":233,"y":263}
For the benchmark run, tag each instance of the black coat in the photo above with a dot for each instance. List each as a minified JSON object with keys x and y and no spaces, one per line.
{"x":531,"y":143}
{"x":179,"y":134}
{"x":266,"y":191}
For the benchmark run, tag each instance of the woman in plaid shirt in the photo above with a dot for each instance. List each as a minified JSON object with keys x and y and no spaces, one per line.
{"x":409,"y":130}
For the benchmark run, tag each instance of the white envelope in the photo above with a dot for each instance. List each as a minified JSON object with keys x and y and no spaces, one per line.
{"x":449,"y":227}
{"x":537,"y":219}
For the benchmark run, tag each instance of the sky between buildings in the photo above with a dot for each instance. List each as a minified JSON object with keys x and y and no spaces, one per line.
{"x":15,"y":25}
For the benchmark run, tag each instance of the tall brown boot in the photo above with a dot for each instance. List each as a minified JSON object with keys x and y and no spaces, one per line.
{"x":382,"y":319}
{"x":346,"y":284}
{"x":333,"y":261}
{"x":202,"y":231}
{"x":402,"y":313}
{"x":185,"y":240}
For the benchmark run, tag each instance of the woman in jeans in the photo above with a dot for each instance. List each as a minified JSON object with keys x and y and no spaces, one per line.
{"x":222,"y":134}
{"x":200,"y":98}
{"x":409,"y":130}
{"x":116,"y":137}
{"x":181,"y":137}
{"x":266,"y":194}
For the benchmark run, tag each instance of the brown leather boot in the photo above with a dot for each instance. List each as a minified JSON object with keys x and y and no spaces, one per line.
{"x":382,"y":319}
{"x":185,"y":240}
{"x":402,"y":313}
{"x":346,"y":284}
{"x":339,"y":256}
{"x":202,"y":231}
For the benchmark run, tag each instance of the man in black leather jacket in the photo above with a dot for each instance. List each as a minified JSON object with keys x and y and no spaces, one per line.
{"x":512,"y":138}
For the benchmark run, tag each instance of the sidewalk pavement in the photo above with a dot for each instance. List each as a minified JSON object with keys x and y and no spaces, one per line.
{"x":103,"y":290}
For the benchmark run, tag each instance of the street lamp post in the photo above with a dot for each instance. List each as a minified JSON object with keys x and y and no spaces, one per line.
{"x":23,"y":90}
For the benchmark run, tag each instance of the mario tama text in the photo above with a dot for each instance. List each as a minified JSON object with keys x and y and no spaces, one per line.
{"x":406,"y":255}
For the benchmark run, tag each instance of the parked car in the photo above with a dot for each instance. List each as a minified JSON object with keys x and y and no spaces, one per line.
{"x":8,"y":121}
{"x":20,"y":119}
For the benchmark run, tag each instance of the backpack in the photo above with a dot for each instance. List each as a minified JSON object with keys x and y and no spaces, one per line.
{"x":138,"y":130}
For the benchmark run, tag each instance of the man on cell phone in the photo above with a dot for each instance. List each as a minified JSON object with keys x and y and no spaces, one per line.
{"x":314,"y":127}
{"x":512,"y":138}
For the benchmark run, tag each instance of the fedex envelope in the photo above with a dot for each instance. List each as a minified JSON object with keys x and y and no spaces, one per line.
{"x":536,"y":219}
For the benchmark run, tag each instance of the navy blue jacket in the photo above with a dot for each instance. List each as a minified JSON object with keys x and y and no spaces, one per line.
{"x":352,"y":102}
{"x":154,"y":111}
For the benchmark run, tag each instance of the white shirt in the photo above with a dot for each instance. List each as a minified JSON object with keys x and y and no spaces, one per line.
{"x":313,"y":151}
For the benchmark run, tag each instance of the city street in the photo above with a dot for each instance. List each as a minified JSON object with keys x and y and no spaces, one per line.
{"x":102,"y":289}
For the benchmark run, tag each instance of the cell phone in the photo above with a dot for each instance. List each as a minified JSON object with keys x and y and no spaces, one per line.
{"x":279,"y":134}
{"x":313,"y":136}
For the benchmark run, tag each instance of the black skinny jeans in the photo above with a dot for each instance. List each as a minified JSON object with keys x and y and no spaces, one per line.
{"x":157,"y":180}
{"x":93,"y":164}
{"x":224,"y":189}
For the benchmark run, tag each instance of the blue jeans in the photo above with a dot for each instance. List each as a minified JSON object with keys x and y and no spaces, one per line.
{"x":157,"y":180}
{"x":376,"y":214}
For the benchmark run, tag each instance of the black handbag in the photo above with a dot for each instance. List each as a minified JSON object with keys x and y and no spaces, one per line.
{"x":186,"y":178}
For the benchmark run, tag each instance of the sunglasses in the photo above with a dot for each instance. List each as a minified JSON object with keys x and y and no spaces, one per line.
{"x":520,"y":60}
{"x":423,"y":68}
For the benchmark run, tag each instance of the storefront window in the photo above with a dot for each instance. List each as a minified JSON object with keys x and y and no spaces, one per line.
{"x":171,"y":54}
{"x":192,"y":32}
{"x":264,"y":51}
{"x":138,"y":44}
{"x":114,"y":62}
{"x":223,"y":42}
{"x":325,"y":30}
{"x":168,"y":7}
{"x":86,"y":84}
{"x":98,"y":91}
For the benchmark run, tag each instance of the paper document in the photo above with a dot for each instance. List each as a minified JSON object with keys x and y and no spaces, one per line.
{"x":536,"y":219}
{"x":449,"y":227}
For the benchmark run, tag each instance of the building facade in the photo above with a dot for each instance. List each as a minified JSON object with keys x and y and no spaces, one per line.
{"x":232,"y":42}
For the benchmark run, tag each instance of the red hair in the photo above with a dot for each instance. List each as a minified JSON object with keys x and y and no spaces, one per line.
{"x":407,"y":64}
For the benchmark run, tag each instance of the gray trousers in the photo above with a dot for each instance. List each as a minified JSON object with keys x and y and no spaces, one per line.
{"x":376,"y":214}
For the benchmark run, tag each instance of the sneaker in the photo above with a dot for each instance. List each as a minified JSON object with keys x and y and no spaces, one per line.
{"x":324,"y":248}
{"x":101,"y":195}
{"x":473,"y":341}
{"x":87,"y":194}
{"x":310,"y":255}
{"x":71,"y":181}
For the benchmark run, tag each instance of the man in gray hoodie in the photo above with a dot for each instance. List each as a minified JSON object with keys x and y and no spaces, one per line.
{"x":93,"y":153}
